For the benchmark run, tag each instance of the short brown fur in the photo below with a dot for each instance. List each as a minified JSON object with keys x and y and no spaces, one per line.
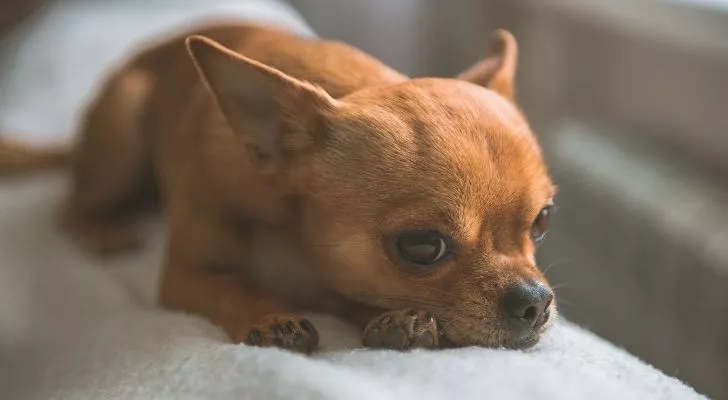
{"x":285,"y":170}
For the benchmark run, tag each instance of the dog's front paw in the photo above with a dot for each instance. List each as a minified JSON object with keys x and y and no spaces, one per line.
{"x":289,"y":332}
{"x":402,"y":330}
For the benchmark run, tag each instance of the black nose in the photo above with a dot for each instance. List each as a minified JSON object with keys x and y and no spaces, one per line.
{"x":527,"y":304}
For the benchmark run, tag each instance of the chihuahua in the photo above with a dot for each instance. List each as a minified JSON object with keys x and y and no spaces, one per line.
{"x":300,"y":174}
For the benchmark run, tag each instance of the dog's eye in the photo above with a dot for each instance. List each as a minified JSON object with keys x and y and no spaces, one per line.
{"x":422,"y":248}
{"x":541,"y":224}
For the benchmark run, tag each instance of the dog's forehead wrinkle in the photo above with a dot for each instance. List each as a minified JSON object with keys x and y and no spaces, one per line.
{"x":463,"y":154}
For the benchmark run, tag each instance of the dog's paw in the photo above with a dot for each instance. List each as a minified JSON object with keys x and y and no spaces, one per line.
{"x":402,"y":330}
{"x":289,"y":332}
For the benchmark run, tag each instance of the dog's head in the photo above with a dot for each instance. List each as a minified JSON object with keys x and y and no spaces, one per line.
{"x":429,"y":194}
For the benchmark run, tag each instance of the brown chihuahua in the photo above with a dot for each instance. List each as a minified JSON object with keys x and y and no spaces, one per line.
{"x":301,"y":174}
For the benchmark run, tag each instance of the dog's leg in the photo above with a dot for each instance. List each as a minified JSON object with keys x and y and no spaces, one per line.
{"x":111,"y":167}
{"x":397,"y":330}
{"x":402,"y":330}
{"x":191,"y":282}
{"x":246,"y":314}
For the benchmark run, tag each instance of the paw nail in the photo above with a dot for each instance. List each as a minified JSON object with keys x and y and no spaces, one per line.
{"x":290,"y":326}
{"x":254,"y":337}
{"x":430,"y":317}
{"x":279,"y":332}
{"x":307,"y":326}
{"x":387,"y":319}
{"x":412,"y":313}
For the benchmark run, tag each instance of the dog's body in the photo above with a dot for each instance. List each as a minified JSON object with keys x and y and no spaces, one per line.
{"x":316,"y":178}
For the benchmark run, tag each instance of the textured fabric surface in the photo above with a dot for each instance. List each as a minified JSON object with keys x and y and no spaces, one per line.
{"x":74,"y":328}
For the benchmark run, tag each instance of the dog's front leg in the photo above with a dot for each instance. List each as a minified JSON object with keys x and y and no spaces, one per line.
{"x":397,"y":330}
{"x":403,"y":330}
{"x":245,"y":313}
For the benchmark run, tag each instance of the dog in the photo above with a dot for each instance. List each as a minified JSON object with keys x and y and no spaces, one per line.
{"x":303,"y":174}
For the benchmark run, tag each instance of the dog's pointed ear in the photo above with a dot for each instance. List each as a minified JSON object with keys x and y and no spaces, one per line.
{"x":276,"y":113}
{"x":498,"y":70}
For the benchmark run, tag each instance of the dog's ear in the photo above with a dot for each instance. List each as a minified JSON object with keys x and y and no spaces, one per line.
{"x":497,"y":71}
{"x":275,"y":112}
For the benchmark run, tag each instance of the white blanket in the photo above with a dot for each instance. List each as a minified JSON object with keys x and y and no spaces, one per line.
{"x":75,"y":328}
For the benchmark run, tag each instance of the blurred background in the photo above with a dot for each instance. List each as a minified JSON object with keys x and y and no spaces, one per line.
{"x":630,"y":100}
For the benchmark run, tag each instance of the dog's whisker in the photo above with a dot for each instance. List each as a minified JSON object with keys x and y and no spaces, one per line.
{"x":564,"y":301}
{"x":554,"y":264}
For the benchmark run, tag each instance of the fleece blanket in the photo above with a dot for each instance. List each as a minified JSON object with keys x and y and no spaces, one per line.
{"x":73,"y":327}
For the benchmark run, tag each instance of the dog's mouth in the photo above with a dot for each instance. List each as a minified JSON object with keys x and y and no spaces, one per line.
{"x":524,"y":343}
{"x":521,"y":343}
{"x":531,"y":339}
{"x":460,"y":333}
